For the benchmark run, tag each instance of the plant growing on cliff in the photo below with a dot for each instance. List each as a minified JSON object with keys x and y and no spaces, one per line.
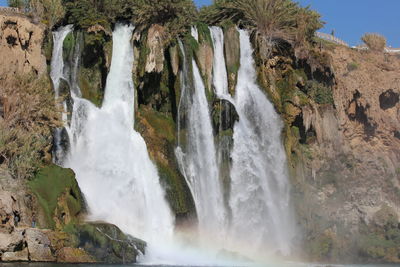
{"x":374,"y":41}
{"x":29,"y":113}
{"x":49,"y":11}
{"x":271,"y":22}
{"x":174,"y":15}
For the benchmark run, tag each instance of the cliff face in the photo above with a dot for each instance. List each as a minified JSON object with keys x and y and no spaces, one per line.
{"x":21,"y":46}
{"x":347,"y":176}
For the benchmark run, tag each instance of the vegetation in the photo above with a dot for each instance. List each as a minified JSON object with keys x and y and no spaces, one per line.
{"x":271,"y":22}
{"x":352,"y":66}
{"x":48,"y":12}
{"x":175,"y":15}
{"x":374,"y":41}
{"x":25,"y":131}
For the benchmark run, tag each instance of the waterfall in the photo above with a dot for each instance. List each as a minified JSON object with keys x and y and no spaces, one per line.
{"x":119,"y":181}
{"x":220,"y":77}
{"x":259,"y":198}
{"x":197,"y":159}
{"x":56,"y":74}
{"x":57,"y":60}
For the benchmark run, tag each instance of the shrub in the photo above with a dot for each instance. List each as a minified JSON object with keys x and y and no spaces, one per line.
{"x":25,"y":131}
{"x":352,"y":66}
{"x":374,"y":41}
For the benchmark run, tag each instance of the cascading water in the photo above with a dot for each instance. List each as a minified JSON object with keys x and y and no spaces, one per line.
{"x":57,"y":73}
{"x":110,"y":159}
{"x":220,"y":77}
{"x":198,"y":158}
{"x":121,"y":184}
{"x":259,"y":198}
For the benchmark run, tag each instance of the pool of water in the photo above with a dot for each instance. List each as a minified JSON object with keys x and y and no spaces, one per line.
{"x":139,"y":265}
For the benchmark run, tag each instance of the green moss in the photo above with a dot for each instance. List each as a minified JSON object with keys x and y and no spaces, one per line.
{"x":320,"y":93}
{"x":162,"y":124}
{"x":91,"y":85}
{"x":49,"y":184}
{"x":176,"y":194}
{"x":204,"y":33}
{"x":321,"y":247}
{"x":68,"y":45}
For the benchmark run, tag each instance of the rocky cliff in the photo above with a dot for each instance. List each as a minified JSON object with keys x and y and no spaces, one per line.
{"x":341,"y":110}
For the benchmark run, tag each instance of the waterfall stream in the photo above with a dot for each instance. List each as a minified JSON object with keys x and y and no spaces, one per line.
{"x":197,"y":159}
{"x":110,"y":159}
{"x":121,"y":184}
{"x":259,"y":198}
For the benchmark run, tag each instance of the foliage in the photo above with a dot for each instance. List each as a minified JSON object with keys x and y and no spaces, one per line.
{"x":352,"y":66}
{"x":320,"y":93}
{"x":374,"y":41}
{"x":174,"y":15}
{"x":25,"y":131}
{"x":17,"y":3}
{"x":272,"y":22}
{"x":49,"y":11}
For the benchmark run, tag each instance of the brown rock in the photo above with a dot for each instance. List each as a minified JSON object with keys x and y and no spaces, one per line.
{"x":155,"y":57}
{"x":205,"y":56}
{"x":73,"y":255}
{"x":21,"y":46}
{"x":38,"y":245}
{"x":15,"y":256}
{"x":232,"y":56}
{"x":9,"y":241}
{"x":173,"y":51}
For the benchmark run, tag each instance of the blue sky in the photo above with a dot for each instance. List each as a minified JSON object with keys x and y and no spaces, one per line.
{"x":351,"y":18}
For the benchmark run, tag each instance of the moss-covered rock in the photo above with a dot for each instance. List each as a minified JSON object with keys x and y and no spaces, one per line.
{"x":59,"y":196}
{"x":106,"y":243}
{"x":158,"y":130}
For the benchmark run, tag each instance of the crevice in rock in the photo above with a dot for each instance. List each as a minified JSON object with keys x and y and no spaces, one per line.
{"x":11,"y":40}
{"x":388,"y":99}
{"x":357,"y":112}
{"x":397,"y":134}
{"x":299,"y":123}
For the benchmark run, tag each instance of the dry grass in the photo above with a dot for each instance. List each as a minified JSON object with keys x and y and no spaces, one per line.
{"x":29,"y":114}
{"x":374,"y":41}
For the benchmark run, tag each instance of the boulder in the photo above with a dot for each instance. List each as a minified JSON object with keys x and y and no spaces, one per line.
{"x":15,"y":256}
{"x":11,"y":241}
{"x":75,"y":255}
{"x":108,"y":244}
{"x":38,"y":245}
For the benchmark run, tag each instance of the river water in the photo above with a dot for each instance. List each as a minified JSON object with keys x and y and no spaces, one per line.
{"x":138,"y":265}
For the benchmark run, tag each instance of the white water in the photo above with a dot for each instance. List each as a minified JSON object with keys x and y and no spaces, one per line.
{"x":220,"y":77}
{"x":57,"y":61}
{"x":57,"y":73}
{"x":259,"y":200}
{"x":121,"y":184}
{"x":198,"y":160}
{"x":110,"y":159}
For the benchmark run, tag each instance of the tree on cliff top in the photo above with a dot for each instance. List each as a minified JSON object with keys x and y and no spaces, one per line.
{"x":272,"y":22}
{"x":175,"y":15}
